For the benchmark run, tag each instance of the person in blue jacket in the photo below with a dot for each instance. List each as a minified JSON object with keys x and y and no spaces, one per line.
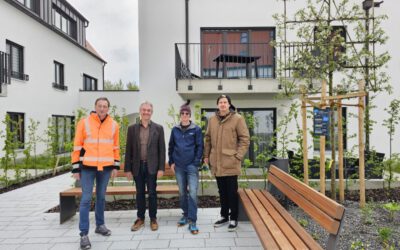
{"x":185,"y":154}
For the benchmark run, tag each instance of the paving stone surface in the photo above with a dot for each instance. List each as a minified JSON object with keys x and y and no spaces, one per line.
{"x":24,"y":224}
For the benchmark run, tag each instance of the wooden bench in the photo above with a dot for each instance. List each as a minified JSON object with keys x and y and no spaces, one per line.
{"x":68,"y":197}
{"x":276,"y":228}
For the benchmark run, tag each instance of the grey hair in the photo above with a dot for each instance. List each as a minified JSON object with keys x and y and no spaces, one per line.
{"x":146,"y":103}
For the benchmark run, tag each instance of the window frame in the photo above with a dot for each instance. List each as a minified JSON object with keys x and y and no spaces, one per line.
{"x":64,"y":23}
{"x":268,"y":70}
{"x":32,"y":5}
{"x":10,"y":45}
{"x":85,"y":77}
{"x":55,"y":119}
{"x":59,"y":76}
{"x":21,"y":121}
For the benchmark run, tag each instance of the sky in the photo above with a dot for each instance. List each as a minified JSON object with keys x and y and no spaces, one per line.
{"x":113,"y":32}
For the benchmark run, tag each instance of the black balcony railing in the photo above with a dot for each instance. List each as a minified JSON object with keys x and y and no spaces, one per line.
{"x":224,"y":60}
{"x":5,"y":72}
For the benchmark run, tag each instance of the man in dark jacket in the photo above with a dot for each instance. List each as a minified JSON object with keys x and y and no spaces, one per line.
{"x":145,"y":161}
{"x":185,"y":152}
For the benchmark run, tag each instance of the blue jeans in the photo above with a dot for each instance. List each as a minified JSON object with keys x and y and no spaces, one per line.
{"x":87,"y":182}
{"x":188,"y":178}
{"x":141,"y":180}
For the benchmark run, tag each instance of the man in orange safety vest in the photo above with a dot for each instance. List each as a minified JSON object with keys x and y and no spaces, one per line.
{"x":95,"y":156}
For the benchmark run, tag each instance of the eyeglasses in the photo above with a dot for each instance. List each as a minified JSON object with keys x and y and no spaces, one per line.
{"x":185,"y":113}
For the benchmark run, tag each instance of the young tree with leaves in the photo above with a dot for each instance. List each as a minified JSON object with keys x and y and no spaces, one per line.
{"x":331,"y":39}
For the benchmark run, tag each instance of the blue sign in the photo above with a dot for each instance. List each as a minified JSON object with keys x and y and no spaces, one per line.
{"x":321,"y":121}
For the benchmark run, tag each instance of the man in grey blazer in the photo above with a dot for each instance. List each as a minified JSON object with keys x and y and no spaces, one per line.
{"x":145,"y":161}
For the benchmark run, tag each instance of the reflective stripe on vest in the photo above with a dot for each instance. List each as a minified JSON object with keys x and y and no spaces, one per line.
{"x":87,"y":127}
{"x":96,"y":159}
{"x":105,"y":141}
{"x":113,"y":128}
{"x":89,"y":138}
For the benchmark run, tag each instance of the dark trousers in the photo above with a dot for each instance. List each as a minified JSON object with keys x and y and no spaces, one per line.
{"x":228,"y":195}
{"x":142,"y":180}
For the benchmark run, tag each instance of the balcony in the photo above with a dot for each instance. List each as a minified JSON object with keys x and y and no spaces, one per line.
{"x":208,"y":68}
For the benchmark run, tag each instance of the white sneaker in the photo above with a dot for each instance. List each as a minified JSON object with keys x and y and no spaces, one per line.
{"x":232,"y":225}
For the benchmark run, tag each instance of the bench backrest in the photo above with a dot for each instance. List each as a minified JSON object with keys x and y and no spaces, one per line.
{"x":167,"y":172}
{"x":322,"y":209}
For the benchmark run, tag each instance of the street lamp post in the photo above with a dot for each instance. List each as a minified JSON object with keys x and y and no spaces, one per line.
{"x":367,"y":5}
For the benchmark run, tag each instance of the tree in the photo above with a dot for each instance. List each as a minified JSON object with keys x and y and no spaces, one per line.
{"x":332,"y":36}
{"x":394,"y":118}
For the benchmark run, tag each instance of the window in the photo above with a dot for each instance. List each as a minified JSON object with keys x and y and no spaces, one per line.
{"x":262,"y":133}
{"x":64,"y":23}
{"x":328,"y":138}
{"x":241,"y":43}
{"x":64,"y":128}
{"x":17,"y":127}
{"x":59,"y":76}
{"x":16,"y":53}
{"x":89,"y":83}
{"x":33,"y":5}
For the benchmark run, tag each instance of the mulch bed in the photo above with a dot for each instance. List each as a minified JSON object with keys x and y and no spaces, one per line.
{"x":372,"y":195}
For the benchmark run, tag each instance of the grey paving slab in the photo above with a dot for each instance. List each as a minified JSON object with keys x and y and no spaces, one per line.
{"x":145,"y":236}
{"x":65,"y":246}
{"x":165,"y":236}
{"x":246,"y":248}
{"x":25,"y":225}
{"x":225,"y":242}
{"x":48,"y":233}
{"x":154,"y":244}
{"x":124,"y":245}
{"x":37,"y":240}
{"x":188,"y":243}
{"x":35,"y":246}
{"x":246,"y":234}
{"x":200,"y":235}
{"x":9,"y":246}
{"x":223,"y":235}
{"x":101,"y":245}
{"x":203,"y":248}
{"x":13,"y":241}
{"x":11,"y":234}
{"x":248,"y":241}
{"x":64,"y":239}
{"x":126,"y":237}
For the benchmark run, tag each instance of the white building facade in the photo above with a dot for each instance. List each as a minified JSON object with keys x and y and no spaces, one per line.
{"x":172,"y":72}
{"x":46,"y":62}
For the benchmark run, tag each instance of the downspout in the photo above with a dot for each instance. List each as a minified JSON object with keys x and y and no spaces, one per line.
{"x":104,"y":65}
{"x":187,"y":32}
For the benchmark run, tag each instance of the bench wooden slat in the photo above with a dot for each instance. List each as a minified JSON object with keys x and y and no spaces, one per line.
{"x":330,"y":224}
{"x":281,"y":221}
{"x":167,"y":172}
{"x":304,"y":235}
{"x":329,"y":206}
{"x":122,"y":190}
{"x":275,"y":231}
{"x":264,"y":235}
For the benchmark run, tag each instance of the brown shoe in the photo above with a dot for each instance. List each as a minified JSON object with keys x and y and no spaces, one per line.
{"x":153,"y":225}
{"x":139,"y":223}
